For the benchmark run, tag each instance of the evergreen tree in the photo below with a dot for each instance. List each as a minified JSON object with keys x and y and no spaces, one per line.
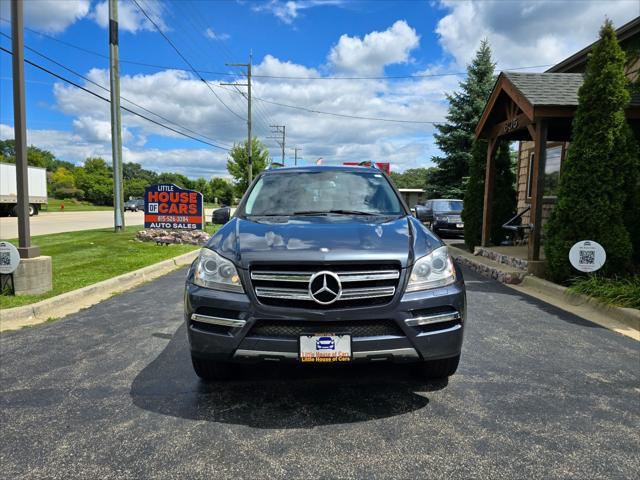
{"x":592,"y":194}
{"x":455,"y":137}
{"x":504,"y":194}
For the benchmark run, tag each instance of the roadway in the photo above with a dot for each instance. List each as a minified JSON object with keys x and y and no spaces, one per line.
{"x":109,"y":393}
{"x":57,"y":222}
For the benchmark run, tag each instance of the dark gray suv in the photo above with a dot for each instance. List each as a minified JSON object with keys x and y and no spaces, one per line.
{"x":324,"y":265}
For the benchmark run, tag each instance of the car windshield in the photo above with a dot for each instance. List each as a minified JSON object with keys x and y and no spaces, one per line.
{"x":448,"y":205}
{"x":323,"y":192}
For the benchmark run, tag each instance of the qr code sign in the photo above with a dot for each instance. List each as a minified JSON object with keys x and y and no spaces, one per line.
{"x":587,"y":257}
{"x":5,"y":259}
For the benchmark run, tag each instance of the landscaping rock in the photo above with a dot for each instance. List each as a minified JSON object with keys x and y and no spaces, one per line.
{"x":191,"y":237}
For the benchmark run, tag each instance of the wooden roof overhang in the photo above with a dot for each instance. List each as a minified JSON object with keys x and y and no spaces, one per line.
{"x":510,"y":114}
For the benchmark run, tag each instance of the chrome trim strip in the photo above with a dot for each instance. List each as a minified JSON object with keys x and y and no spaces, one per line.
{"x":397,"y":352}
{"x":347,"y":293}
{"x":226,"y":322}
{"x":442,"y":317}
{"x":285,"y":293}
{"x":264,"y":353}
{"x":437,"y":332}
{"x":367,"y":276}
{"x":281,"y":276}
{"x":355,"y":293}
{"x":359,"y":276}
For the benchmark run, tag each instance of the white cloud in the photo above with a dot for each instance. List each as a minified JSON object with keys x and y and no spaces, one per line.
{"x":369,"y":55}
{"x":51,"y":16}
{"x":543,"y":32}
{"x":288,"y":11}
{"x":213,"y":35}
{"x":130,"y":19}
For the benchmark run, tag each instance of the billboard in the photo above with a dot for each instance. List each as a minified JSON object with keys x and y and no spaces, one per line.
{"x":171,"y":207}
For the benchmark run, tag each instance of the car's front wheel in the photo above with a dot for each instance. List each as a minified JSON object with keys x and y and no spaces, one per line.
{"x":443,"y":368}
{"x":209,"y":370}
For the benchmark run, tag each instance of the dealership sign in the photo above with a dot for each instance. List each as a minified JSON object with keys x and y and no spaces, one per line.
{"x":171,"y":207}
{"x":587,"y":256}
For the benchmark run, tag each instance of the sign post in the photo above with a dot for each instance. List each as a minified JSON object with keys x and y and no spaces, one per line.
{"x":169,"y":207}
{"x":9,"y":261}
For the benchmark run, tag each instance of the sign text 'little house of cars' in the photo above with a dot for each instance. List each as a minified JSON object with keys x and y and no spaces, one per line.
{"x":169,"y":206}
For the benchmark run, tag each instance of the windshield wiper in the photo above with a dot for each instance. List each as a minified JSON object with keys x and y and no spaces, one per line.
{"x":338,"y":211}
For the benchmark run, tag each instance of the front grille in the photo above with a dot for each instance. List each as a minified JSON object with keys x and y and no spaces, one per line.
{"x":363,"y":285}
{"x":356,"y":328}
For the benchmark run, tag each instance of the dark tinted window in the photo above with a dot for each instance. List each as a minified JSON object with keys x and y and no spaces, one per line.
{"x":323,"y":191}
{"x":447,"y":205}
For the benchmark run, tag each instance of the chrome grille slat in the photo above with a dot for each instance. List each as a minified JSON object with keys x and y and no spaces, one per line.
{"x":363,"y":284}
{"x":359,"y":276}
{"x":347,"y":293}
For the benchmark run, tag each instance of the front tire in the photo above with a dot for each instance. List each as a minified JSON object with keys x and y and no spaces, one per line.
{"x":209,"y":370}
{"x":435,"y":369}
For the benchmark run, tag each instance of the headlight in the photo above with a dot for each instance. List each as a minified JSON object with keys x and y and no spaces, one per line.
{"x":431,"y":271}
{"x":216,"y":272}
{"x":442,"y":218}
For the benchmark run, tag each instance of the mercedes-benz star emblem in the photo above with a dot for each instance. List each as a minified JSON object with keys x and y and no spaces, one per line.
{"x":325,"y":287}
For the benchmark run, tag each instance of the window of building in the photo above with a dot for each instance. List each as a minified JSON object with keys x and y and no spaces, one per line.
{"x":551,"y":172}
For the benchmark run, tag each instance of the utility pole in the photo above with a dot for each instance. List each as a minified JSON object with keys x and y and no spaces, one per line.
{"x":248,"y":85}
{"x":296,"y":150}
{"x":279,"y":132}
{"x":20,"y":132}
{"x":116,"y":130}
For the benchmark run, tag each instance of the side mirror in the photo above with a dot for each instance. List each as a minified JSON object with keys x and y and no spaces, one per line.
{"x":422,"y":213}
{"x":221,"y":216}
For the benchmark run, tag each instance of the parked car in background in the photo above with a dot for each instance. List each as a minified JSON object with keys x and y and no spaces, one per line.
{"x":444,"y":216}
{"x":134,"y":205}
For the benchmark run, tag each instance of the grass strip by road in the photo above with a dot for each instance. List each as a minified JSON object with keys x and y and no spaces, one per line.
{"x":621,"y":291}
{"x":73,"y":205}
{"x":90,"y":256}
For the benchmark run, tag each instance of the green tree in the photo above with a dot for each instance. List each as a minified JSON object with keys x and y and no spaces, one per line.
{"x":591,"y":196}
{"x":96,"y":181}
{"x":455,"y":137}
{"x":36,"y":157}
{"x":175,"y":178}
{"x":63,"y":184}
{"x":629,"y":157}
{"x":134,"y":171}
{"x":503,"y":203}
{"x":221,"y":191}
{"x":413,"y":177}
{"x":201,"y":185}
{"x":237,"y":164}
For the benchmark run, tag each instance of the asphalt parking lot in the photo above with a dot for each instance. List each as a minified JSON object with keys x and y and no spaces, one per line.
{"x":109,"y":393}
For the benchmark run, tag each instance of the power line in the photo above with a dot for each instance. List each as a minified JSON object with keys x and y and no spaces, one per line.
{"x":87,"y":79}
{"x":275,"y":77}
{"x":185,"y":59}
{"x":71,"y":82}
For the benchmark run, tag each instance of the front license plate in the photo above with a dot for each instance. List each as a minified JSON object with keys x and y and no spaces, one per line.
{"x":325,"y":348}
{"x":459,"y":225}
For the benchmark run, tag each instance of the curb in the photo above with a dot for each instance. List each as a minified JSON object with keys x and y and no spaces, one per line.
{"x":629,"y":316}
{"x":76,"y":300}
{"x":622,"y":320}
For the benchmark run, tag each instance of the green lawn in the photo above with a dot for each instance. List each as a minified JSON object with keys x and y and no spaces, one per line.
{"x":90,"y":256}
{"x":71,"y":205}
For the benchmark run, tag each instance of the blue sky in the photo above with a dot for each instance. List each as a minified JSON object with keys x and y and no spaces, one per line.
{"x":299,"y":38}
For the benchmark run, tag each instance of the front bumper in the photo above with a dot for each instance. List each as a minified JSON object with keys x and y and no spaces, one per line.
{"x":450,"y":228}
{"x":220,"y":326}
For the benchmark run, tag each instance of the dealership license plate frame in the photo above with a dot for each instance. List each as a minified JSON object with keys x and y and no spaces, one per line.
{"x":338,"y":338}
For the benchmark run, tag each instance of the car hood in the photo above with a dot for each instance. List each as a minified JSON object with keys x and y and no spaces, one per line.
{"x":323,"y":239}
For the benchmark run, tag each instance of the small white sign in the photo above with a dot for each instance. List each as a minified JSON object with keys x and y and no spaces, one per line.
{"x":587,"y":256}
{"x":9,"y":258}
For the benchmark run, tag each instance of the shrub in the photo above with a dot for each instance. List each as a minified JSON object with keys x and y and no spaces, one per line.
{"x":592,"y":193}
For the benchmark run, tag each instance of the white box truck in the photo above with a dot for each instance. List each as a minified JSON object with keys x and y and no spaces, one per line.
{"x":9,"y":191}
